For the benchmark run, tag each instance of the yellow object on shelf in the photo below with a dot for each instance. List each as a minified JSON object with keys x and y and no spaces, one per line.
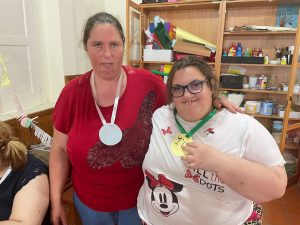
{"x":184,"y":35}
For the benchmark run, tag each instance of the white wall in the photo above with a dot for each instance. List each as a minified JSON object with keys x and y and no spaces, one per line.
{"x":72,"y":15}
{"x":31,"y":73}
{"x":119,"y":12}
{"x":75,"y":13}
{"x":58,"y":29}
{"x":51,"y":31}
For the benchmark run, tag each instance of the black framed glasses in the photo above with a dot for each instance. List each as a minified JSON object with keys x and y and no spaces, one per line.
{"x":193,"y":87}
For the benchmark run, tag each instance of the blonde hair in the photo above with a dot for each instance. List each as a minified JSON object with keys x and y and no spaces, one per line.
{"x":12,"y":151}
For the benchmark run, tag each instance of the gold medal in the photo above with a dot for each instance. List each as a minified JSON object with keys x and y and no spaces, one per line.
{"x":177,"y":143}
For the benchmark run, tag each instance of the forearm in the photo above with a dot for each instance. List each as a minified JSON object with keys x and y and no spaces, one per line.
{"x":257,"y":182}
{"x":10,"y":222}
{"x":59,"y":169}
{"x":14,"y":222}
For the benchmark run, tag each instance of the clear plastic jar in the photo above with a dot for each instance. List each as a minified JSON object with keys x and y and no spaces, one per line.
{"x":272,"y":82}
{"x":276,"y":130}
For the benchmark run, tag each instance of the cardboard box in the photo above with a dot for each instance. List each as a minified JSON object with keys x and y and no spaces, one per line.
{"x":158,"y":55}
{"x":191,"y":48}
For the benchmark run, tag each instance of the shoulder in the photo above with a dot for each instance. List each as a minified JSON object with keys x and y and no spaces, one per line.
{"x":238,"y":119}
{"x":20,"y":178}
{"x":80,"y":81}
{"x":34,"y":167}
{"x":163,"y":113}
{"x":143,"y":74}
{"x":33,"y":162}
{"x":77,"y":88}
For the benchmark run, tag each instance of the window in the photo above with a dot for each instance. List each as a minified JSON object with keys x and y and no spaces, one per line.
{"x":17,"y":46}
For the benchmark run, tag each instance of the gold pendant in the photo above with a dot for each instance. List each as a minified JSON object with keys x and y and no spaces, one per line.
{"x":177,"y":143}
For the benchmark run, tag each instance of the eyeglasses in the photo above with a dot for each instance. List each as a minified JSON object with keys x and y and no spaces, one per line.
{"x":194,"y":87}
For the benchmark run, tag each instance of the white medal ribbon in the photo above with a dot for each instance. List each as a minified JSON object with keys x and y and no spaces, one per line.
{"x":7,"y":172}
{"x":109,"y":133}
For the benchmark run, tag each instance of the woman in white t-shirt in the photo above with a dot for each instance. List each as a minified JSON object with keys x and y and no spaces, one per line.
{"x":206,"y":166}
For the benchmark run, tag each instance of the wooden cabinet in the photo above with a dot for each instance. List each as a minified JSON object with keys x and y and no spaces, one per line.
{"x":201,"y":18}
{"x":262,"y":13}
{"x":239,"y":13}
{"x":211,"y":21}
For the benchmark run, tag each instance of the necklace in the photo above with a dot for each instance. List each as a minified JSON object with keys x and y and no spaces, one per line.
{"x":181,"y":139}
{"x":110,"y":133}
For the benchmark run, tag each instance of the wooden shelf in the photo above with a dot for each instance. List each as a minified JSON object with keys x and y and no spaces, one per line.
{"x":273,"y":116}
{"x":293,"y":126}
{"x":259,"y":33}
{"x":256,"y":65}
{"x":292,"y":146}
{"x":171,"y":63}
{"x":259,"y":3}
{"x":294,"y":119}
{"x":165,"y":6}
{"x":255,"y":91}
{"x":135,"y":61}
{"x":155,"y":62}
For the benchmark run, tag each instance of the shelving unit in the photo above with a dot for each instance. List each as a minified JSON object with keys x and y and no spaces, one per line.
{"x":239,"y":13}
{"x":186,"y":15}
{"x":211,"y":20}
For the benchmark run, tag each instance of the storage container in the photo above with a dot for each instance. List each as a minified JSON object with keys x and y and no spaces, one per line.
{"x":253,"y":60}
{"x":231,"y":59}
{"x":158,"y":55}
{"x":232,"y":81}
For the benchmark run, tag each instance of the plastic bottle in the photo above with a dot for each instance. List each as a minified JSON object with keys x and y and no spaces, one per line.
{"x":255,"y":52}
{"x":283,"y":60}
{"x":266,"y":59}
{"x":260,"y":52}
{"x":239,"y":50}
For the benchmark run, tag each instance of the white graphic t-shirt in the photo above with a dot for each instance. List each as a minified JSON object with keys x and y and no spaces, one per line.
{"x":173,"y":194}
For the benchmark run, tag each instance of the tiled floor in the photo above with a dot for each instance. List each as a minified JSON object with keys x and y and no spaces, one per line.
{"x":283,"y":211}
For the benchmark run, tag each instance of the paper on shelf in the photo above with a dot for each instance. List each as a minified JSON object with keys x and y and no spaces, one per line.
{"x":260,"y":28}
{"x":184,"y":35}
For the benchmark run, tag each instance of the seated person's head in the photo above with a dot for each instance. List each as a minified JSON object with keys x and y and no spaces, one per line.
{"x":12,"y":151}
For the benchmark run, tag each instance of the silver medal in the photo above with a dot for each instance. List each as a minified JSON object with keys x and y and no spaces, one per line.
{"x":110,"y":134}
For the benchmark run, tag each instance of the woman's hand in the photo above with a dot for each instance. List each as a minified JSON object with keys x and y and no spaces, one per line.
{"x":223,"y":102}
{"x":201,"y":156}
{"x":58,"y":214}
